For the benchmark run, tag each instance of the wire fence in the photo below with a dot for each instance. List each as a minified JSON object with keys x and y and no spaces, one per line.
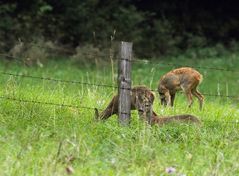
{"x":143,"y":61}
{"x":46,"y":103}
{"x":58,"y":80}
{"x":98,"y":84}
{"x":236,"y":122}
{"x":162,"y":64}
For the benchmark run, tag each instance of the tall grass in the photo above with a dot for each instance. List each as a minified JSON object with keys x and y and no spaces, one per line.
{"x":38,"y":139}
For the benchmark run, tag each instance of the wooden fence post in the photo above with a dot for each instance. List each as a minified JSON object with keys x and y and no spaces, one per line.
{"x":124,"y":82}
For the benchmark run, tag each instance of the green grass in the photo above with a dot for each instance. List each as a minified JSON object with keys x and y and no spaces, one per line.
{"x":38,"y":139}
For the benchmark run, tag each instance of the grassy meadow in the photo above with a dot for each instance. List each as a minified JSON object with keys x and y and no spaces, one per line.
{"x":40,"y":139}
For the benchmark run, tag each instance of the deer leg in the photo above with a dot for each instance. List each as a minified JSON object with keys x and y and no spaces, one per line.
{"x":199,"y":96}
{"x":168,"y":98}
{"x":189,"y":97}
{"x":172,"y":99}
{"x":187,"y":90}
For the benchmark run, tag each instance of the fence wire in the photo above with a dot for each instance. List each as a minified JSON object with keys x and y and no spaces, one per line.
{"x":57,"y":80}
{"x":98,"y":84}
{"x":47,"y":103}
{"x":93,"y":108}
{"x":181,"y":65}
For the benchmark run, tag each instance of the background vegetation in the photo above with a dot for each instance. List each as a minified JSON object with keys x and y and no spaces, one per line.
{"x":156,"y":28}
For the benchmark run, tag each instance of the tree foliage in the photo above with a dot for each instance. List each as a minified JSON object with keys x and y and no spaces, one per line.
{"x":157,"y":28}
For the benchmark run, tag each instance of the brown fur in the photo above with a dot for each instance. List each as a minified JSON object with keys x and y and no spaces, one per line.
{"x":186,"y":79}
{"x":186,"y":118}
{"x":141,"y":99}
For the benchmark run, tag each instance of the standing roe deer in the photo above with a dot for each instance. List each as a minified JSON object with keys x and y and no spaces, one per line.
{"x":186,"y":79}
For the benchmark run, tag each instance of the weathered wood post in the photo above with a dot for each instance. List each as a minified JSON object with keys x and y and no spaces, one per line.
{"x":124,"y":82}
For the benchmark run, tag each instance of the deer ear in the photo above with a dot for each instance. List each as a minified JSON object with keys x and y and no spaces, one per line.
{"x":152,"y":97}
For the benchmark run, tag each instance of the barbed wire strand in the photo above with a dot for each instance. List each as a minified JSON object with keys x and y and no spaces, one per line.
{"x":98,"y":85}
{"x":180,"y":65}
{"x":91,"y":108}
{"x":208,"y":94}
{"x":57,"y":80}
{"x":46,"y":103}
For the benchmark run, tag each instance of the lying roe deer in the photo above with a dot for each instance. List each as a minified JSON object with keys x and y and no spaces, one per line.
{"x":186,"y":79}
{"x":185,"y":118}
